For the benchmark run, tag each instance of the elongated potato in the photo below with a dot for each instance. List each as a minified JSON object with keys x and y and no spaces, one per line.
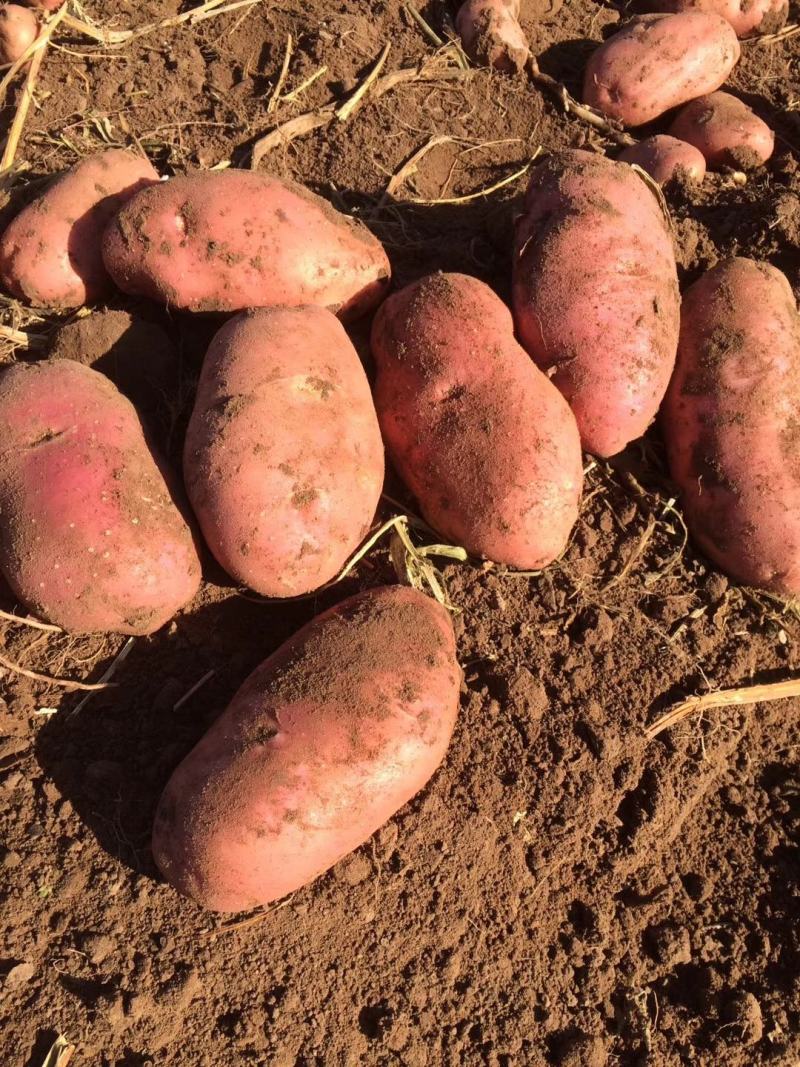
{"x":665,"y":158}
{"x":50,"y":254}
{"x":658,"y":62}
{"x":746,"y":16}
{"x":731,"y":421}
{"x":228,"y":240}
{"x":491,"y":34}
{"x":479,"y":435}
{"x":90,"y":537}
{"x":595,"y":293}
{"x":323,"y":743}
{"x":283,"y":457}
{"x":725,"y":130}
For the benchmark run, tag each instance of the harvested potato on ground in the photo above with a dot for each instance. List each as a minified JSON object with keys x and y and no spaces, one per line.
{"x":480,"y":436}
{"x":50,"y":254}
{"x":665,"y":158}
{"x":731,"y":420}
{"x":283,"y":457}
{"x":595,"y":293}
{"x":491,"y":34}
{"x":746,"y":16}
{"x":229,"y":240}
{"x":19,"y":28}
{"x":726,"y":131}
{"x":90,"y":538}
{"x":658,"y":62}
{"x":323,"y":743}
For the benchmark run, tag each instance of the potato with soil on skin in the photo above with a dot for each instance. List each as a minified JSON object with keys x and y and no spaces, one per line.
{"x":745,"y":16}
{"x":726,"y":131}
{"x":50,"y":254}
{"x":666,"y":158}
{"x":19,"y":28}
{"x":90,"y":538}
{"x":491,"y":34}
{"x":658,"y":62}
{"x":323,"y":743}
{"x":731,"y":420}
{"x":283,"y":457}
{"x":595,"y":293}
{"x":479,"y":435}
{"x":229,"y":240}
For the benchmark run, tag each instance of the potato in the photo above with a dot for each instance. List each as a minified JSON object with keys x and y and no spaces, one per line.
{"x":479,"y":435}
{"x":725,"y":130}
{"x":746,"y":16}
{"x":595,"y":293}
{"x":658,"y":62}
{"x":50,"y":253}
{"x":731,"y":421}
{"x":228,"y":240}
{"x":90,"y":538}
{"x":491,"y":34}
{"x":283,"y":457}
{"x":19,"y":28}
{"x":665,"y":158}
{"x":323,"y":743}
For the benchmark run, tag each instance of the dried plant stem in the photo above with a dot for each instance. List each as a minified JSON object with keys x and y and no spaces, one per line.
{"x":276,"y":92}
{"x":191,"y":692}
{"x":773,"y":38}
{"x":287,"y":98}
{"x":725,"y":698}
{"x":36,"y":677}
{"x":120,"y":657}
{"x":571,"y":106}
{"x":27,"y":621}
{"x":120,"y":37}
{"x":428,"y":30}
{"x":409,"y":168}
{"x":23,"y":106}
{"x":60,"y":1053}
{"x":22,"y":339}
{"x":487,"y":190}
{"x":344,"y":112}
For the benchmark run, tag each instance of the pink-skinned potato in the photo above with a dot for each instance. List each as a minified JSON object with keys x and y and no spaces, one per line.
{"x":90,"y":536}
{"x":19,"y":28}
{"x":731,"y":421}
{"x":229,"y":240}
{"x":745,"y":16}
{"x":658,"y":62}
{"x":725,"y":130}
{"x":595,"y":293}
{"x":283,"y":458}
{"x":322,"y":744}
{"x":491,"y":34}
{"x":479,"y":435}
{"x":666,"y":158}
{"x":50,"y":253}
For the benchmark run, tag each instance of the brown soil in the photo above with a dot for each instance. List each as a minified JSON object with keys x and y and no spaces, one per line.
{"x":564,"y":891}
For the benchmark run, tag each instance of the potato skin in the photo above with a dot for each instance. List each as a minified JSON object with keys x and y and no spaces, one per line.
{"x":323,"y":743}
{"x":50,"y":254}
{"x":491,"y":34}
{"x":90,"y":538}
{"x":731,"y":421}
{"x":228,"y":240}
{"x":725,"y":130}
{"x":665,"y":158}
{"x":19,"y":28}
{"x":283,"y":457}
{"x":745,"y":16}
{"x":595,"y":293}
{"x":658,"y":62}
{"x":479,"y":435}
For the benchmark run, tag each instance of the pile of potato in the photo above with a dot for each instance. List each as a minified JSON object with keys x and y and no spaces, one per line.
{"x":484,"y":411}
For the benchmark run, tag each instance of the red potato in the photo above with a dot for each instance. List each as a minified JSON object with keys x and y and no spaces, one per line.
{"x":90,"y":538}
{"x":658,"y":62}
{"x":726,"y":131}
{"x":228,"y":240}
{"x":323,"y":743}
{"x":19,"y":28}
{"x":745,"y":16}
{"x":595,"y":293}
{"x":731,"y":420}
{"x":283,"y":457}
{"x":480,"y":436}
{"x":50,"y":254}
{"x":491,"y":34}
{"x":665,"y":158}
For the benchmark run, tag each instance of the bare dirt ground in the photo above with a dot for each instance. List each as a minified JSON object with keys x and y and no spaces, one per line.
{"x":565,"y":891}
